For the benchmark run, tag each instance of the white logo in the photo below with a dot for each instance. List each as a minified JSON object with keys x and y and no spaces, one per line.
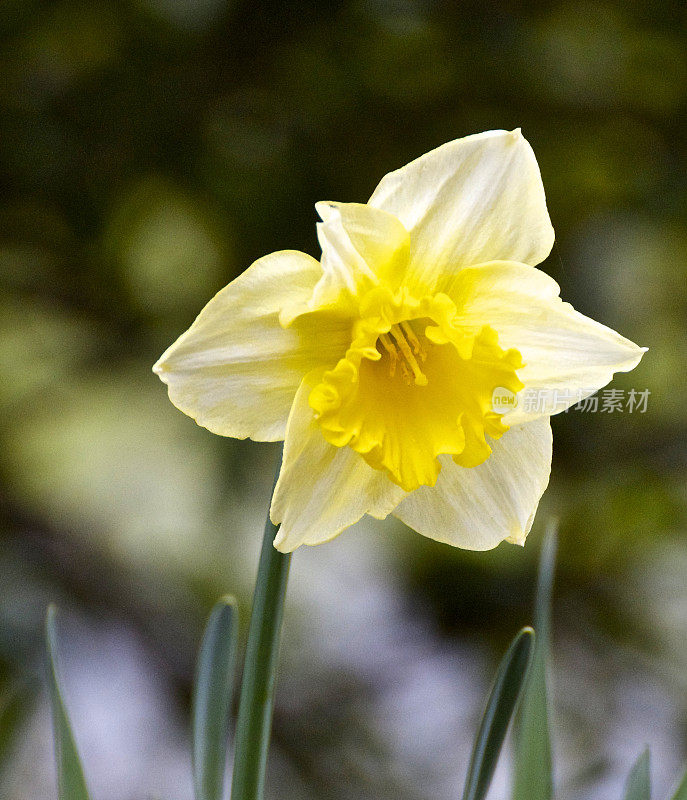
{"x":503,"y":400}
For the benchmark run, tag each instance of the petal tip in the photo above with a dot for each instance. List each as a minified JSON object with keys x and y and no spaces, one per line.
{"x":325,"y":209}
{"x":280,"y":541}
{"x":279,"y":546}
{"x":635,"y":359}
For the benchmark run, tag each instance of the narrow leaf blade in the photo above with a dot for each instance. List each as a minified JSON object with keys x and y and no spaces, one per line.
{"x":638,"y":786}
{"x":681,"y":791}
{"x":71,"y":784}
{"x":501,"y":704}
{"x":212,"y":696}
{"x":533,"y":779}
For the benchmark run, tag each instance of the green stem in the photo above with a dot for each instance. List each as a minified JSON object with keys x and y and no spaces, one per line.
{"x":257,"y":689}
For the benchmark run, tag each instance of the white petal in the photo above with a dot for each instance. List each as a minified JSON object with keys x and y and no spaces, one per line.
{"x":322,"y":489}
{"x":472,"y":200}
{"x":236,"y":370}
{"x":567,"y":356}
{"x":476,"y":508}
{"x":360,"y":245}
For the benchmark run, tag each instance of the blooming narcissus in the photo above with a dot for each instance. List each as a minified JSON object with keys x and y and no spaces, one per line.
{"x":378,"y":364}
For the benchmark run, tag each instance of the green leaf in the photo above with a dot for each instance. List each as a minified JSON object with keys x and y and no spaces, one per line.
{"x":638,"y":786}
{"x":212,"y":696}
{"x":681,"y":791}
{"x":533,"y":779}
{"x":71,"y":784}
{"x":501,"y":704}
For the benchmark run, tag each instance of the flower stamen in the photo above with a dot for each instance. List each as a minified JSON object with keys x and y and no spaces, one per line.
{"x":414,"y":341}
{"x":397,"y":339}
{"x":391,"y":350}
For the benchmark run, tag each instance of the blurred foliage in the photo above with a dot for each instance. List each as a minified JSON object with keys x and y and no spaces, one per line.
{"x":151,"y":149}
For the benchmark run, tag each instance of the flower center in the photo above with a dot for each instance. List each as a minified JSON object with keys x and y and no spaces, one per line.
{"x":415,"y":385}
{"x":404,"y":348}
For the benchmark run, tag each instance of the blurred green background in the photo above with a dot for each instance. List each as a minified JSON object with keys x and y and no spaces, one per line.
{"x":150,"y":150}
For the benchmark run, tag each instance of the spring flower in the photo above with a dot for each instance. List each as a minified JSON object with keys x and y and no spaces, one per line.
{"x":378,"y":365}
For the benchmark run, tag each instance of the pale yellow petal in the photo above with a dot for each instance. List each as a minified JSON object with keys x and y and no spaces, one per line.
{"x":567,"y":355}
{"x":361,"y":246}
{"x":322,"y":489}
{"x":236,"y":370}
{"x":472,"y":200}
{"x":476,"y":508}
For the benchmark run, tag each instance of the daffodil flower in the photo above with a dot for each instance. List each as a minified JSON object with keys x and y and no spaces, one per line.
{"x":378,"y":364}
